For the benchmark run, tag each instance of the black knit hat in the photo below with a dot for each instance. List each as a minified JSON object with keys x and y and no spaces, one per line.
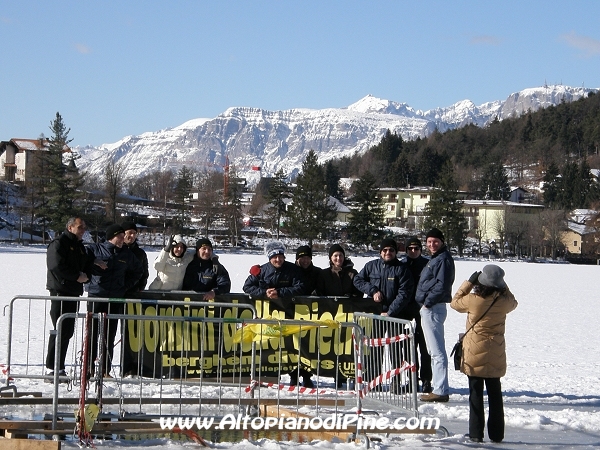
{"x":303,"y":250}
{"x":113,"y":230}
{"x":414,"y":241}
{"x":435,"y":233}
{"x":336,"y":248}
{"x":388,"y":243}
{"x":203,"y":242}
{"x":129,"y":226}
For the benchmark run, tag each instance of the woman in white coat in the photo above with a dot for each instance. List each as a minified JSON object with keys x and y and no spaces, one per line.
{"x":170,"y":265}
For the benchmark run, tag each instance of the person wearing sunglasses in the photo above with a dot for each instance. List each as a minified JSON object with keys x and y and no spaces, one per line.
{"x":388,"y":281}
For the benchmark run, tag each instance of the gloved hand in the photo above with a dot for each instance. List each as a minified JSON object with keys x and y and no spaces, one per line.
{"x":474,"y":277}
{"x":255,"y":270}
{"x":170,"y":244}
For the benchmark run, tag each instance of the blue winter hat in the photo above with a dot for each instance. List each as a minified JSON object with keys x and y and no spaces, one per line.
{"x":274,"y":248}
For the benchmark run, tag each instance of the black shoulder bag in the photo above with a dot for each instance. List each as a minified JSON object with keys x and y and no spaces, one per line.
{"x":457,"y":350}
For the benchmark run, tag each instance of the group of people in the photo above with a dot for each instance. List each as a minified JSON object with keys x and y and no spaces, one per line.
{"x":118,"y":268}
{"x":410,"y":287}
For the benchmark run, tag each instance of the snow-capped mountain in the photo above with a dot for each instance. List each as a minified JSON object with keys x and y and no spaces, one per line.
{"x":252,"y":137}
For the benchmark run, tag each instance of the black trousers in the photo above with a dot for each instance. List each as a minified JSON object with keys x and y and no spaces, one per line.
{"x":111,"y":332}
{"x":495,"y":424}
{"x":57,"y":308}
{"x":424,"y":366}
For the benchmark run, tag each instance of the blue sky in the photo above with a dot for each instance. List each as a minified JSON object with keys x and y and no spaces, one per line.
{"x":118,"y":68}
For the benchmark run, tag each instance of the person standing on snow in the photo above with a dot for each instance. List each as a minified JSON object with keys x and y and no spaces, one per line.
{"x":486,"y":300}
{"x":416,"y":263}
{"x":68,"y":268}
{"x":433,"y":292}
{"x":119,"y":274}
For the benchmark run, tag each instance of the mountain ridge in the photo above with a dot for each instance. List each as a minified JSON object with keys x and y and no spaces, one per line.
{"x":252,"y":137}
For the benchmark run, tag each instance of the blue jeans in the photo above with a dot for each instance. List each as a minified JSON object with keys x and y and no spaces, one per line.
{"x":432,"y":322}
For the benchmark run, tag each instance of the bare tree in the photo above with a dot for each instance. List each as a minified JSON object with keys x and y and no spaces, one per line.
{"x":554,"y":222}
{"x":498,"y":224}
{"x":516,"y":231}
{"x":113,"y":186}
{"x":210,"y":198}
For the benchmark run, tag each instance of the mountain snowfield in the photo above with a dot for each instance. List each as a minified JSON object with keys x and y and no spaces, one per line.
{"x":252,"y":137}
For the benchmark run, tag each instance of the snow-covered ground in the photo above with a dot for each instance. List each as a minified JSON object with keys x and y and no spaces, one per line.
{"x":551,"y":389}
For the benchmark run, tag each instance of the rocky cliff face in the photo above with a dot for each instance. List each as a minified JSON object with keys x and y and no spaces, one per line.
{"x":252,"y":137}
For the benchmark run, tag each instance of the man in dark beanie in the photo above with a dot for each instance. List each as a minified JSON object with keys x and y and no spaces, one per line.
{"x":389,"y":282}
{"x":130,"y":365}
{"x":433,"y":292}
{"x":115,"y":272}
{"x":310,"y":273}
{"x":205,"y":273}
{"x":416,"y":263}
{"x":130,"y":240}
{"x":388,"y":243}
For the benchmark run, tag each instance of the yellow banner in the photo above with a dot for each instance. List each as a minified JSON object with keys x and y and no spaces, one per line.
{"x":254,"y":332}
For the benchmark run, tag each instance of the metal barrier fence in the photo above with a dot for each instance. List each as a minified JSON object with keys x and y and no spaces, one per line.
{"x":389,"y":370}
{"x":30,"y":360}
{"x":187,"y":358}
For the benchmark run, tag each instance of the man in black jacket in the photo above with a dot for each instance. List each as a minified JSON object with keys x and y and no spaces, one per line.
{"x":389,"y":282}
{"x":130,"y":240}
{"x":68,"y":268}
{"x":205,"y":273}
{"x":130,"y":365}
{"x":310,"y":273}
{"x":120,"y":272}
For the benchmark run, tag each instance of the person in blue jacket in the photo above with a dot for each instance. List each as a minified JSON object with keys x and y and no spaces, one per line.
{"x":433,"y":292}
{"x":277,"y":279}
{"x":205,"y":274}
{"x":389,"y":282}
{"x":116,"y":271}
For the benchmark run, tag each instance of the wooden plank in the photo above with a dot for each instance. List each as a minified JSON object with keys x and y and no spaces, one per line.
{"x":7,"y":394}
{"x":274,"y":411}
{"x":29,"y":444}
{"x":322,"y":401}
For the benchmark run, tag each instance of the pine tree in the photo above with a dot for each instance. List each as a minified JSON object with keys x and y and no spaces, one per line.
{"x":277,"y":194}
{"x":62,"y":179}
{"x":444,"y":210}
{"x":233,"y":207}
{"x":310,"y":213}
{"x":551,"y":185}
{"x":332,"y":180}
{"x":367,"y":220}
{"x":183,"y":189}
{"x":494,"y":183}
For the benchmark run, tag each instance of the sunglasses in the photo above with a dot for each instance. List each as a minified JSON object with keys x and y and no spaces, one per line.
{"x":413,"y":249}
{"x":388,"y":250}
